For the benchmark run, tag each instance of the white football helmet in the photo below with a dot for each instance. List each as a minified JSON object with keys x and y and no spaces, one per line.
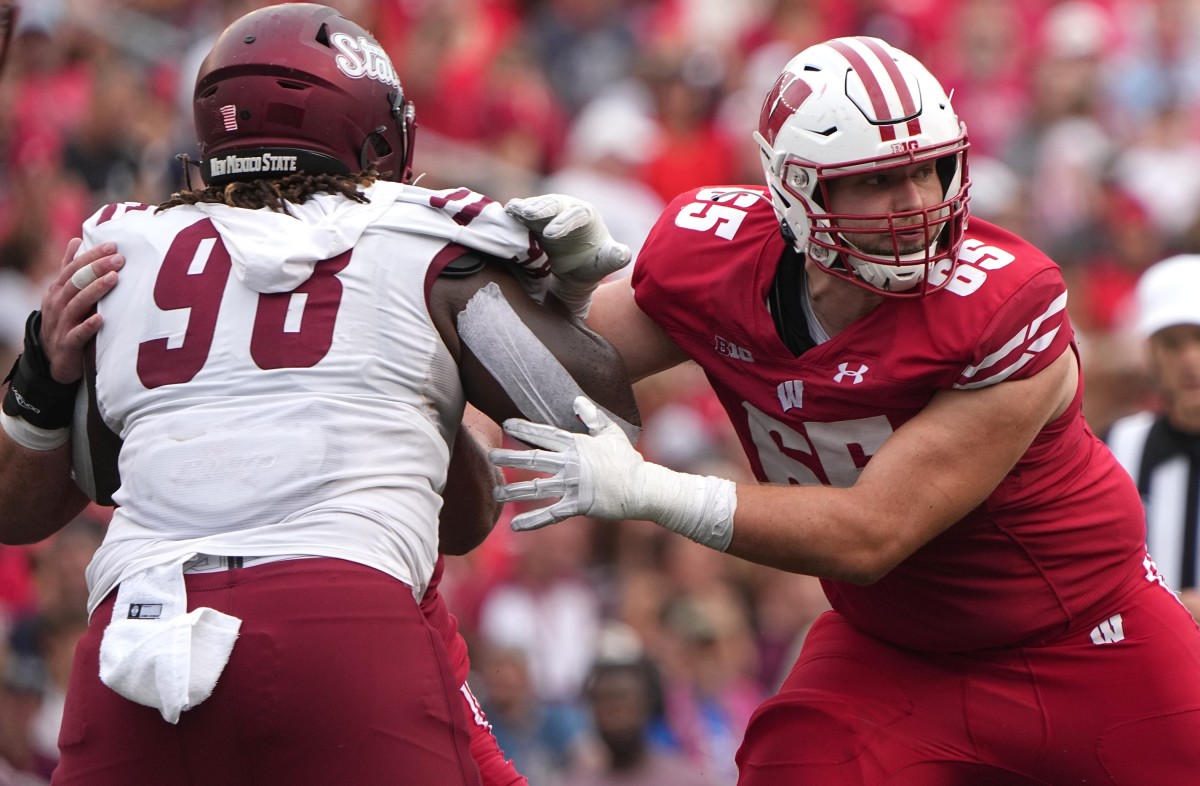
{"x":852,"y":105}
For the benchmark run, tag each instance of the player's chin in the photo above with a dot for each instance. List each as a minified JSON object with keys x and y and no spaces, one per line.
{"x":886,"y":249}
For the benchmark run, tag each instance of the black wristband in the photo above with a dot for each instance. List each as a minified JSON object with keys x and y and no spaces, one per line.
{"x":33,"y":394}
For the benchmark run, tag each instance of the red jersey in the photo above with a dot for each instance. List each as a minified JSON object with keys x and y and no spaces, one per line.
{"x":1061,"y":533}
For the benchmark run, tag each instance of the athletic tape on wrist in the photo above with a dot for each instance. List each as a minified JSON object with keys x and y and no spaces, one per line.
{"x":30,"y":436}
{"x":529,"y":373}
{"x":699,"y":507}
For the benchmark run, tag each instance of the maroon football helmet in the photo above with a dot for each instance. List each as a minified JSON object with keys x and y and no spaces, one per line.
{"x":298,"y":87}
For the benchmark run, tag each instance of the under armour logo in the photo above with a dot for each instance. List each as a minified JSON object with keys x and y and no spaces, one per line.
{"x":1109,"y":632}
{"x":856,"y":375}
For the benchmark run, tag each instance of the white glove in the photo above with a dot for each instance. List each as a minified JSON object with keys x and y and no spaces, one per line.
{"x":581,"y":250}
{"x":599,"y":474}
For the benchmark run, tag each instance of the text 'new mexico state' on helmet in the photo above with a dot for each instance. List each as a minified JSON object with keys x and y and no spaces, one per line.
{"x":298,"y":87}
{"x":851,"y":106}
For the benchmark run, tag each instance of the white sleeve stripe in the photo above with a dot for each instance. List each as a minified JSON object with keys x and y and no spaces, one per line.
{"x":1044,"y":341}
{"x":1057,"y":305}
{"x":999,"y":376}
{"x":998,"y":355}
{"x":1004,"y":374}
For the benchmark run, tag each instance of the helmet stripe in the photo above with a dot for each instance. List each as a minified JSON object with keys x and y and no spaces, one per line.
{"x":875,"y":90}
{"x":870,"y":82}
{"x":907,"y":102}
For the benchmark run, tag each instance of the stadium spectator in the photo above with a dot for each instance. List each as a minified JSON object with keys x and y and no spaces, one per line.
{"x":1161,"y":447}
{"x":544,"y":738}
{"x":547,"y":608}
{"x":908,"y":392}
{"x":625,"y":697}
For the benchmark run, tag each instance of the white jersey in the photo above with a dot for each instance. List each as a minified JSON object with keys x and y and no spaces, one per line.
{"x":277,"y":379}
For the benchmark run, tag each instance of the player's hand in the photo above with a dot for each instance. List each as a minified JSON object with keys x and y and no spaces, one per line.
{"x":592,"y":474}
{"x":599,"y":474}
{"x":579,"y":245}
{"x":69,"y":320}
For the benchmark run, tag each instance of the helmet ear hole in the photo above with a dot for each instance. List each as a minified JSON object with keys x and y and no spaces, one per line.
{"x":380,"y":145}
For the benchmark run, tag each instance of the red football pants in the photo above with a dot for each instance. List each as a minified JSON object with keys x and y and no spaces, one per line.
{"x":858,"y":712}
{"x":335,"y":678}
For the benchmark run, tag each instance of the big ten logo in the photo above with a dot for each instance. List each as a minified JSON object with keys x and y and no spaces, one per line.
{"x":905,"y":146}
{"x":974,"y":261}
{"x":719,"y":210}
{"x":732,"y":350}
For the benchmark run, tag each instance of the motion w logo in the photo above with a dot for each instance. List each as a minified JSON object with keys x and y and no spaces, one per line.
{"x":791,"y":394}
{"x":1109,"y":632}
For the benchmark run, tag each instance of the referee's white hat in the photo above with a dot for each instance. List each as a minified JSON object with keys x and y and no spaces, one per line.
{"x":1168,"y":293}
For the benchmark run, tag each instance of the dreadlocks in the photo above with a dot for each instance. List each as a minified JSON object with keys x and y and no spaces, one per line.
{"x":275,"y":193}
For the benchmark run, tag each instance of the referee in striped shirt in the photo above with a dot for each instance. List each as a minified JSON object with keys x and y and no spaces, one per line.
{"x":1161,"y":449}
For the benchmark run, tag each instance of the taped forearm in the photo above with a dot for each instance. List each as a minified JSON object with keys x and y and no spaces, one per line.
{"x":534,"y":379}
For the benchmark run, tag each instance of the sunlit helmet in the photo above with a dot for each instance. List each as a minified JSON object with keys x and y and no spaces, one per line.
{"x":300,"y":87}
{"x":855,"y":105}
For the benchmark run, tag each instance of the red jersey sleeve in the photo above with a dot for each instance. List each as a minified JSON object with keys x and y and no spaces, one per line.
{"x":1026,"y":334}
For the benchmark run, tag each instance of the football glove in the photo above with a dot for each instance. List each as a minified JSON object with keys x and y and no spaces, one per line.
{"x":599,"y":474}
{"x":582,"y":251}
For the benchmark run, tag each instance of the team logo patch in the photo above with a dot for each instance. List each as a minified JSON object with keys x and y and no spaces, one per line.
{"x":782,"y":102}
{"x":361,"y":57}
{"x":791,"y":394}
{"x":1110,"y":631}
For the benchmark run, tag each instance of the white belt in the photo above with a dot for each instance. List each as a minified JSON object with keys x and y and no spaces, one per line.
{"x":211,"y":563}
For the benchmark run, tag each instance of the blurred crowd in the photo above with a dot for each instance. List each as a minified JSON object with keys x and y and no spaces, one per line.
{"x":1083,"y":119}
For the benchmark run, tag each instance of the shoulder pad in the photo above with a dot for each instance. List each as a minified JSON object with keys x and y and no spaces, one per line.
{"x":463,"y":266}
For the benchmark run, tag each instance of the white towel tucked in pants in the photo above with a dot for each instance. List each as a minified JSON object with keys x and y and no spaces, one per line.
{"x":157,"y":653}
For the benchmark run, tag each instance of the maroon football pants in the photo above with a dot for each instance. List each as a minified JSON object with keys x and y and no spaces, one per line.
{"x":335,"y":678}
{"x":1117,"y":704}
